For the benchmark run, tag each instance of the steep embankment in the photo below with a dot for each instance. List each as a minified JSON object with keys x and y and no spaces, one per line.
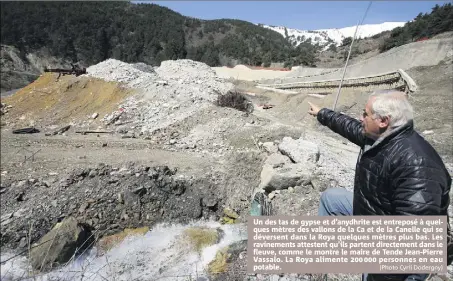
{"x":424,"y":53}
{"x":433,"y":104}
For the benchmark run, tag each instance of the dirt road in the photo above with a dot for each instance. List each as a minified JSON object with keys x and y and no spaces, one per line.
{"x":60,"y":153}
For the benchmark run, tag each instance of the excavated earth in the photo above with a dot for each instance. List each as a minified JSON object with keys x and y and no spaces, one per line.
{"x":163,"y":151}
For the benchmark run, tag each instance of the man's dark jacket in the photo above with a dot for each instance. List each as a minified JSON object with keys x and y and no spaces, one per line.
{"x":401,"y":174}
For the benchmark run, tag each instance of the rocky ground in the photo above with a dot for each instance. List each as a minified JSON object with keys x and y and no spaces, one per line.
{"x":166,"y":152}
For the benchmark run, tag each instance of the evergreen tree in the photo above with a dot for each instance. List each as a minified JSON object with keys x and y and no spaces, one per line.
{"x":424,"y":25}
{"x":89,"y":32}
{"x":346,"y":41}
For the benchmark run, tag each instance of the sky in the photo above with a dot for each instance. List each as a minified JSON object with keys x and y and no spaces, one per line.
{"x":307,"y":15}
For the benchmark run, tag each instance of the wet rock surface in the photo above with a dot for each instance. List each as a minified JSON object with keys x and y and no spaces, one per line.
{"x":299,"y":151}
{"x":58,"y":246}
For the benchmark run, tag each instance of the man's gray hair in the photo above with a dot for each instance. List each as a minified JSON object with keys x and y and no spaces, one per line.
{"x":392,"y":104}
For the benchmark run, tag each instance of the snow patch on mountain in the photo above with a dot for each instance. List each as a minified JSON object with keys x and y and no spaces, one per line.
{"x":333,"y":35}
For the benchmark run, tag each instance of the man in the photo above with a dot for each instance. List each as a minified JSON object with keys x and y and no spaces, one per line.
{"x":397,"y":172}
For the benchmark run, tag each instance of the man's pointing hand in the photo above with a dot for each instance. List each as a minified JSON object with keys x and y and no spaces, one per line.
{"x":313,"y":109}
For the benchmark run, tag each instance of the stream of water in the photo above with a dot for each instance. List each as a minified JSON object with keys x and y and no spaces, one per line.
{"x":160,"y":255}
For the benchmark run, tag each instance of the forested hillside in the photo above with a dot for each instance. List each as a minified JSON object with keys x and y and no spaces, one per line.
{"x":424,"y":26}
{"x":90,"y":32}
{"x":93,"y":31}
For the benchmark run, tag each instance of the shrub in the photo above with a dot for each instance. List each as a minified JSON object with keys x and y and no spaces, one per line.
{"x":236,"y":100}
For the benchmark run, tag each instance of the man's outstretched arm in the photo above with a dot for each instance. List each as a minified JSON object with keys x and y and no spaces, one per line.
{"x":341,"y":124}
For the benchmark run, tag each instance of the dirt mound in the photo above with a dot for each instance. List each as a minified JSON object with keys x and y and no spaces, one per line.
{"x":433,"y":103}
{"x":171,"y":93}
{"x":47,"y":102}
{"x":185,"y":70}
{"x":138,"y":75}
{"x":241,"y":66}
{"x":151,"y":98}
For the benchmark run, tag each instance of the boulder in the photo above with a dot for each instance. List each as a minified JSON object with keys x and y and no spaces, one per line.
{"x":288,"y":175}
{"x":270,"y":147}
{"x":277,"y":160}
{"x":60,"y":244}
{"x":299,"y":151}
{"x":210,"y":201}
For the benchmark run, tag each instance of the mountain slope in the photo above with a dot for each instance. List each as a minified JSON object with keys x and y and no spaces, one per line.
{"x":89,"y":32}
{"x":334,"y":35}
{"x":57,"y":33}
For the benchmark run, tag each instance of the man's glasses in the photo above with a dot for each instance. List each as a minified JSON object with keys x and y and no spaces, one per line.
{"x":364,"y":114}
